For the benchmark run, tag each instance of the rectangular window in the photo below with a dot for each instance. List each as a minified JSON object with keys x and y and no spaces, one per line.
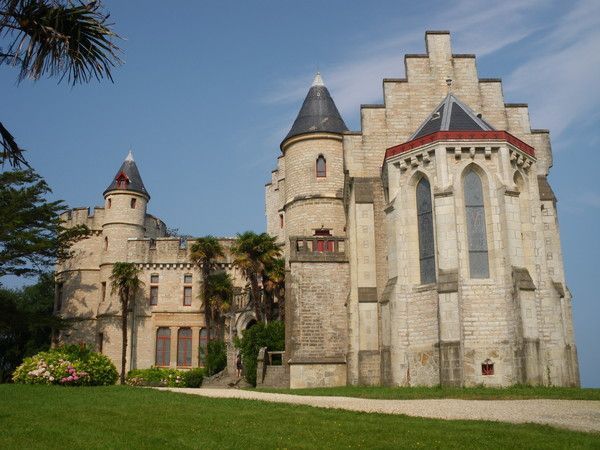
{"x":133,"y":202}
{"x":184,"y":347}
{"x":154,"y":278}
{"x":187,"y":296}
{"x":100,"y":342}
{"x":103,"y":292}
{"x":187,"y":278}
{"x":163,"y":347}
{"x":153,"y":295}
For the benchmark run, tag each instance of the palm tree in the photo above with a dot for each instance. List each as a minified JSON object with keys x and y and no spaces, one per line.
{"x":220,"y":293}
{"x":203,"y":254}
{"x":125,"y":282}
{"x":253,"y":253}
{"x":55,"y":38}
{"x":274,"y":286}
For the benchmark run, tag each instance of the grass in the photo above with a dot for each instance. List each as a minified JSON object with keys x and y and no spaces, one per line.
{"x":473,"y":393}
{"x":126,"y":417}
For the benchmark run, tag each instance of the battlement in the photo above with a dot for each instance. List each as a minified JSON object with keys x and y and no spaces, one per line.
{"x":92,"y":218}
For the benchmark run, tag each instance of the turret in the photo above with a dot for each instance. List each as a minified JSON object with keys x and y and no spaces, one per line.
{"x":125,"y":199}
{"x":314,"y":157}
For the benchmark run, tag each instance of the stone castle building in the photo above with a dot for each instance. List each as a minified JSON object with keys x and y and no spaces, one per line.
{"x":423,"y":249}
{"x":166,"y":326}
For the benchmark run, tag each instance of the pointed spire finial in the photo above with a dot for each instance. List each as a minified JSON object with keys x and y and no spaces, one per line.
{"x":129,"y":156}
{"x":318,"y":81}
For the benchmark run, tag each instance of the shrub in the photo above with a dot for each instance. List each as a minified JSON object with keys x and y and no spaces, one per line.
{"x":193,"y":378}
{"x":71,"y":365}
{"x":165,"y":377}
{"x":271,"y":335}
{"x":216,"y":358}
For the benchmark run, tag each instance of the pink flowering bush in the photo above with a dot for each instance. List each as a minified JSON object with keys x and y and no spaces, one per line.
{"x":67,"y":366}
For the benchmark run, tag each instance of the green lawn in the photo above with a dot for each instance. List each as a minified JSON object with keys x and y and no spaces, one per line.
{"x":125,"y":417}
{"x":475,"y":393}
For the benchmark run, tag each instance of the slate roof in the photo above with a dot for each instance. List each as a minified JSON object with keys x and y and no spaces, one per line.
{"x":318,"y":113}
{"x":451,"y":115}
{"x":132,"y":174}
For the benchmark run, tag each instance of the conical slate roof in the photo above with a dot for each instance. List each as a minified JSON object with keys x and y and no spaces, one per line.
{"x":318,"y":113}
{"x":451,"y":115}
{"x":130,"y":175}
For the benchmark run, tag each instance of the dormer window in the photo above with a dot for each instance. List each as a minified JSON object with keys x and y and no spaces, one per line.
{"x":321,"y":167}
{"x":122,"y":180}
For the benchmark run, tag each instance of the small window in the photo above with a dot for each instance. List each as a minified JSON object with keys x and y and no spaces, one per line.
{"x":133,"y":202}
{"x":109,"y":203}
{"x":154,"y":278}
{"x":153,"y":295}
{"x":100,"y":342}
{"x":152,"y":244}
{"x":103,"y":291}
{"x":487,"y":368}
{"x":321,"y":167}
{"x":187,"y":278}
{"x":105,"y":244}
{"x":59,"y":296}
{"x":184,"y":347}
{"x":163,"y":347}
{"x":280,"y":220}
{"x":187,"y":296}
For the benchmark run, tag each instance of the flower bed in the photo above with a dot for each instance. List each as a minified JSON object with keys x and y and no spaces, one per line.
{"x":163,"y":377}
{"x":70,"y":365}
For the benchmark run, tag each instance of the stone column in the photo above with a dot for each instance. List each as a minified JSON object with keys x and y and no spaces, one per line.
{"x":195,"y":346}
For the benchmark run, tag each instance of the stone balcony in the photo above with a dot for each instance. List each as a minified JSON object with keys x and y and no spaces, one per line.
{"x":318,"y":249}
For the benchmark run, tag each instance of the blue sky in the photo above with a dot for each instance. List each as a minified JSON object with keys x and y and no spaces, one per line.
{"x":208,"y":90}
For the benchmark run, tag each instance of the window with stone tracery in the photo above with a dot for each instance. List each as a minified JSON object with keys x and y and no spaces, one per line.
{"x":425,"y":227}
{"x":476,"y":229}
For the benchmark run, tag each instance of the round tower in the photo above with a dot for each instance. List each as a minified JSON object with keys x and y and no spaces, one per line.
{"x":314,"y":160}
{"x":125,"y":202}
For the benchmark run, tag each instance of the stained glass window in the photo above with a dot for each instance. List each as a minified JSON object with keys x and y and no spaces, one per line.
{"x":476,"y":231}
{"x":425,"y":224}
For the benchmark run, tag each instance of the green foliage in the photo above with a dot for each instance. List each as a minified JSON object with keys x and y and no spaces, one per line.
{"x":59,"y":38}
{"x":216,"y":358}
{"x":270,"y":335}
{"x":26,"y":323}
{"x":165,"y":377}
{"x":193,"y":378}
{"x":32,"y":237}
{"x":70,"y":365}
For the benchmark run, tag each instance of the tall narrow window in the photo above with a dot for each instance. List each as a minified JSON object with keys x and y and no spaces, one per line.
{"x":425,"y":225}
{"x":153,"y":289}
{"x":184,"y":347}
{"x":105,"y":243}
{"x":163,"y":346}
{"x":109,"y":203}
{"x":187,"y":296}
{"x":280,"y":220}
{"x":203,"y":345}
{"x":103,"y":291}
{"x":321,"y":167}
{"x":476,"y":231}
{"x":100,"y":342}
{"x":133,"y":202}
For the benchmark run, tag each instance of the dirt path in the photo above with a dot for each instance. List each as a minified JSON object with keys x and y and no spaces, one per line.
{"x":580,"y":415}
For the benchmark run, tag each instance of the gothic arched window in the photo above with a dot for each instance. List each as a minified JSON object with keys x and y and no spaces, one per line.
{"x":425,"y":225}
{"x":476,"y":232}
{"x":321,"y":167}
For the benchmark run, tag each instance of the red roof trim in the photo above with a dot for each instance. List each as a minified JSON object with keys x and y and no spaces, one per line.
{"x":460,"y":136}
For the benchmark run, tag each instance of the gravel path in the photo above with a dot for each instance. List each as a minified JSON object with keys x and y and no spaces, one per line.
{"x":580,"y":415}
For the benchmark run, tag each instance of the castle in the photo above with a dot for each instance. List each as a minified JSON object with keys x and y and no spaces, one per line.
{"x":422,"y":250}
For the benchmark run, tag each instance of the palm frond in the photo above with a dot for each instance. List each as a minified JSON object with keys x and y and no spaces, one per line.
{"x":9,"y":149}
{"x":59,"y":38}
